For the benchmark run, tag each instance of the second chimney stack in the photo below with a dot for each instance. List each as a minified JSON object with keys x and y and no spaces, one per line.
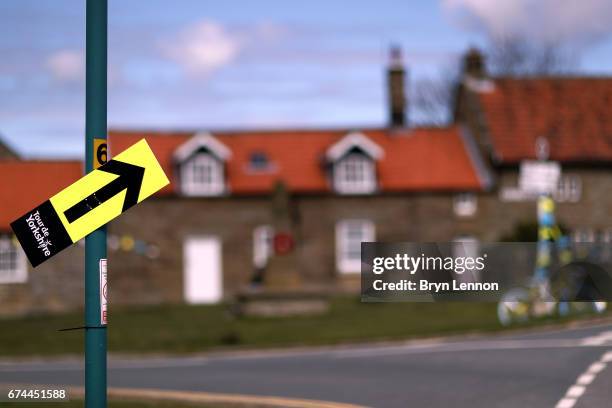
{"x":395,"y":89}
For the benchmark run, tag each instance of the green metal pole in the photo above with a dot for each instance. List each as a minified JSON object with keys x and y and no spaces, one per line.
{"x":95,"y":243}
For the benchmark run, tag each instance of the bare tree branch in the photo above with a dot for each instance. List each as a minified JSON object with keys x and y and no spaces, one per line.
{"x":432,"y":97}
{"x":517,"y":56}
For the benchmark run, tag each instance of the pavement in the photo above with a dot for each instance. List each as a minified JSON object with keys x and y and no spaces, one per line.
{"x":563,"y":368}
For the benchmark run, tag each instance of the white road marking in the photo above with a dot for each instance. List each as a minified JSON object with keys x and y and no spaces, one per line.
{"x":577,"y":389}
{"x":596,"y":367}
{"x":566,"y":403}
{"x":599,"y":339}
{"x":585,"y":379}
{"x":607,"y":357}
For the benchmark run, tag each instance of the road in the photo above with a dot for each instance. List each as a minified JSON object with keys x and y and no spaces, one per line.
{"x":565,"y":368}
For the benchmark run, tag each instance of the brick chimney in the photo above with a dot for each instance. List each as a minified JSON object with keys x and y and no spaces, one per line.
{"x":395,"y":89}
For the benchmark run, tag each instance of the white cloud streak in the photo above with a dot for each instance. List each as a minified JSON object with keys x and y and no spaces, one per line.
{"x":66,"y":65}
{"x":575,"y":23}
{"x":203,"y":47}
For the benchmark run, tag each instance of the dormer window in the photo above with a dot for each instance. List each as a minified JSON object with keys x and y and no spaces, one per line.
{"x":202,"y":174}
{"x":201,"y":162}
{"x":353,"y":161}
{"x":258,"y":161}
{"x":355,"y":174}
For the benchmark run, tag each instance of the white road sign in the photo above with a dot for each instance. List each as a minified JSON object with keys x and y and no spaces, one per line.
{"x":539,"y":177}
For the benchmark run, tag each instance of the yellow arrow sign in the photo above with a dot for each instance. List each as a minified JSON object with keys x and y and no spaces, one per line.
{"x":89,"y":203}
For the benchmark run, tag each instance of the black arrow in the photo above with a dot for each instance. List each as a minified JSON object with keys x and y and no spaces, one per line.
{"x":130,"y":179}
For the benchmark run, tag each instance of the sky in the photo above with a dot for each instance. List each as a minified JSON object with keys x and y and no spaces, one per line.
{"x":201,"y":64}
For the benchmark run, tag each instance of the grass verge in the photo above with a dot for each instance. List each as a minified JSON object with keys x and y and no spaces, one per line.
{"x":184,"y":329}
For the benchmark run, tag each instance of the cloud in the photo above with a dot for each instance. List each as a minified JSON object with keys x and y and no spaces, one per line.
{"x":203,"y":47}
{"x":269,"y":31}
{"x":66,"y":65}
{"x":576,"y":23}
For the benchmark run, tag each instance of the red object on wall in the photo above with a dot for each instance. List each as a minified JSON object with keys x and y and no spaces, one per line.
{"x":283,"y":243}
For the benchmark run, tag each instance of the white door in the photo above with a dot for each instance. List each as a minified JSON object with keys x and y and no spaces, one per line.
{"x":202,"y":278}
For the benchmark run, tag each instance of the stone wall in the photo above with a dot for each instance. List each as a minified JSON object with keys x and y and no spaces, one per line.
{"x":57,"y":285}
{"x":54,"y":286}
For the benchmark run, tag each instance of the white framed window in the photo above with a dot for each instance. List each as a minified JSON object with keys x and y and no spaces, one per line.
{"x":465,"y":204}
{"x":262,"y":245}
{"x":606,"y":236}
{"x":467,"y":246}
{"x":13,"y":264}
{"x":569,"y":189}
{"x":355,"y":173}
{"x":583,"y":235}
{"x":349,"y":236}
{"x":202,"y":175}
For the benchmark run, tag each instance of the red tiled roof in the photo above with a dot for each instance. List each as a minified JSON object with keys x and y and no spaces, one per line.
{"x":28,"y":183}
{"x":423,"y":159}
{"x":573,"y":114}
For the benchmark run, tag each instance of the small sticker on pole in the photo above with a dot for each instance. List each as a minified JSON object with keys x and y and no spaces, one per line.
{"x":100,"y":153}
{"x":103,"y":293}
